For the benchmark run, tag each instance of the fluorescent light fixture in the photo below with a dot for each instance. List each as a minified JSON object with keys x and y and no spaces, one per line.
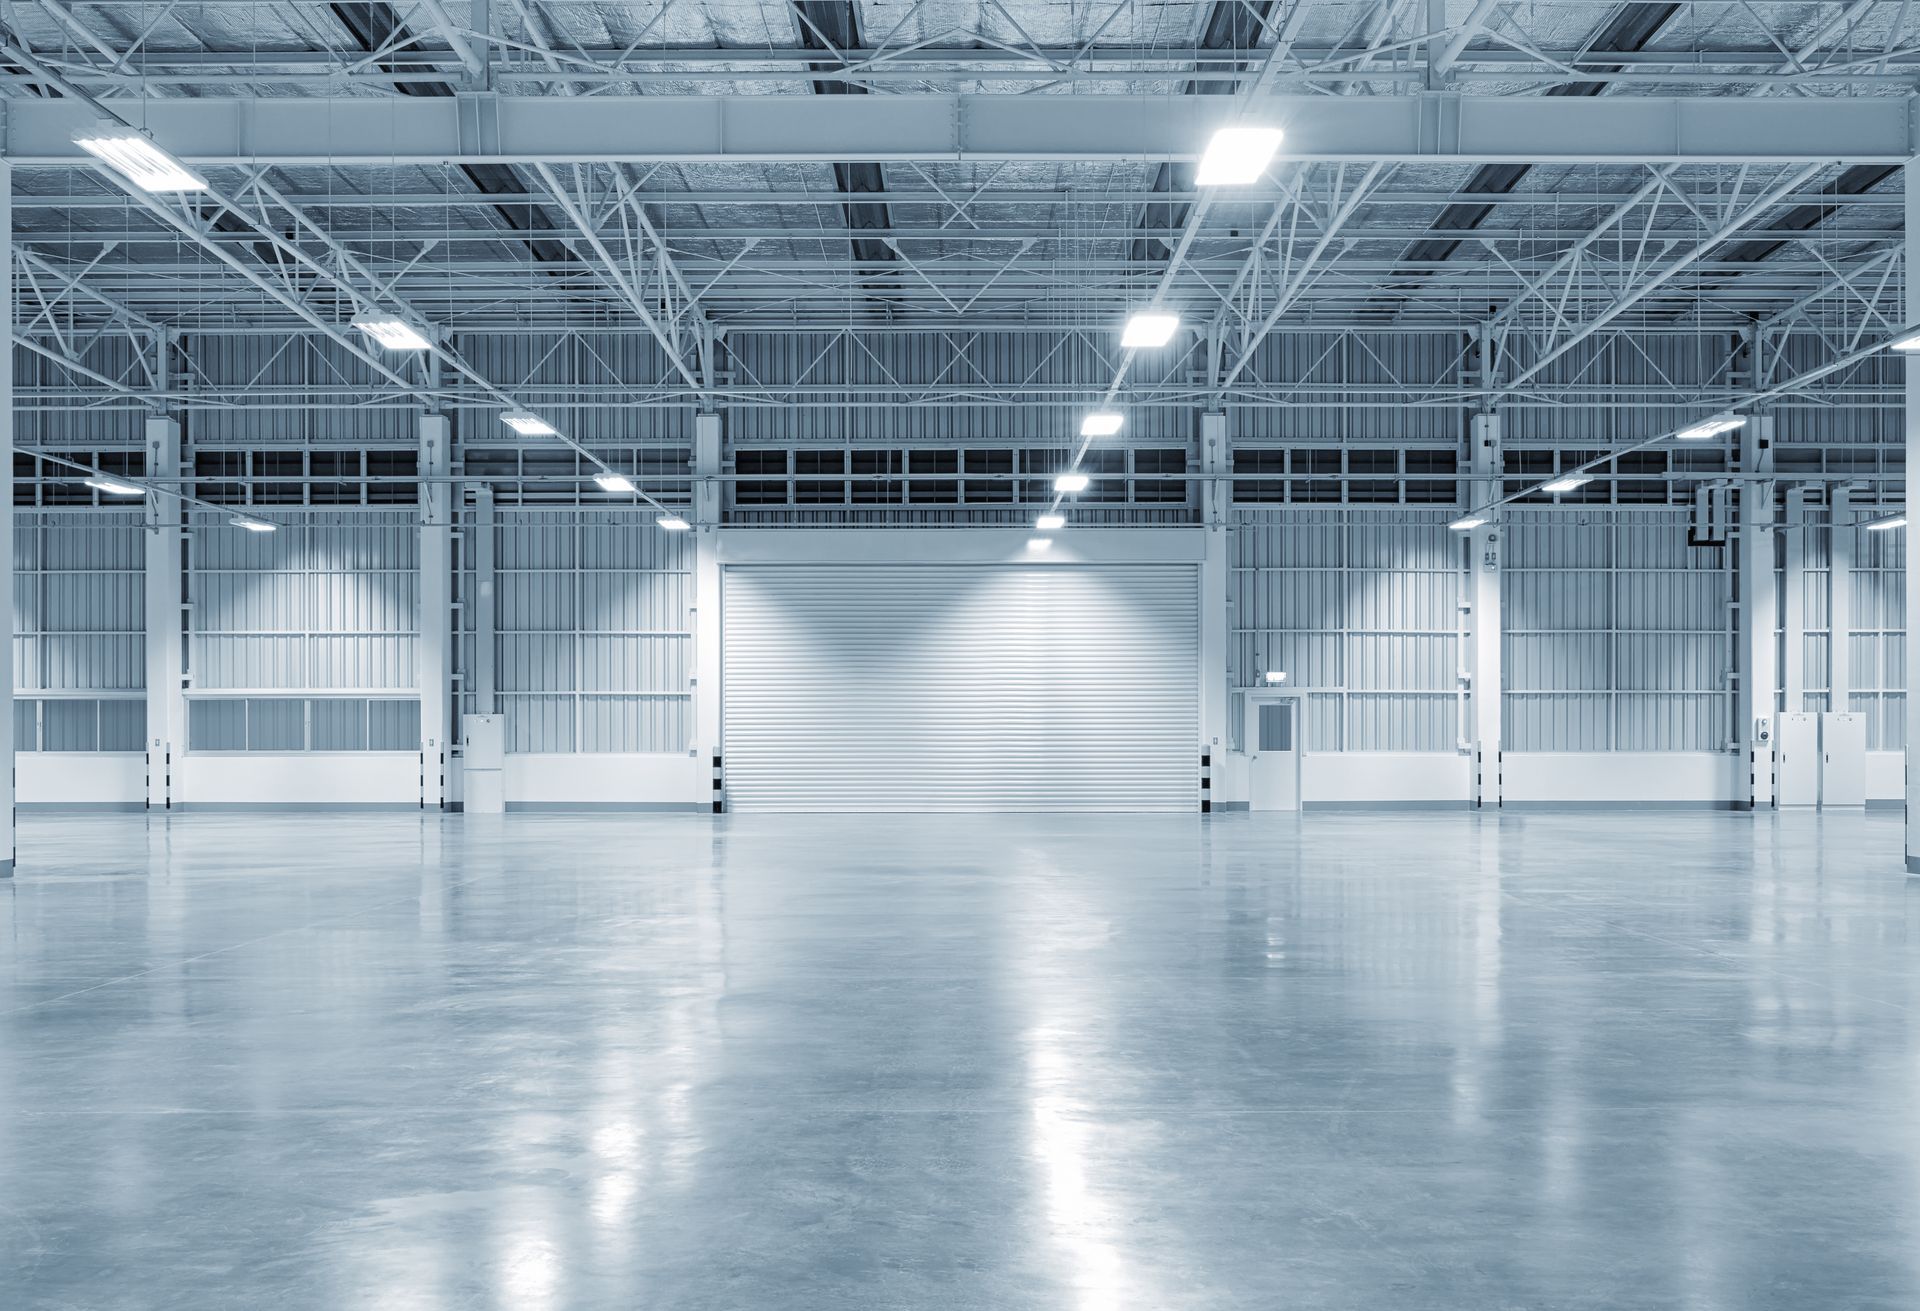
{"x":1907,"y":343}
{"x":1237,"y":156}
{"x":114,"y":487}
{"x":673,"y":523}
{"x":1572,"y":482}
{"x":1039,"y":543}
{"x":1149,"y":328}
{"x":1102,"y":423}
{"x":253,"y":525}
{"x":1713,"y":427}
{"x":1882,"y":525}
{"x":1050,"y":523}
{"x":393,"y":332}
{"x":1276,"y":675}
{"x":613,"y":482}
{"x":1071,"y":482}
{"x":132,"y":154}
{"x":1467,"y":524}
{"x":527,"y":423}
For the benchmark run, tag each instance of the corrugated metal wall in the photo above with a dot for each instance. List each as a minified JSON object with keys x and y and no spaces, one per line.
{"x":1877,"y":638}
{"x":1361,"y":609}
{"x":595,"y":641}
{"x":1619,"y":636}
{"x":79,"y":646}
{"x":327,"y":604}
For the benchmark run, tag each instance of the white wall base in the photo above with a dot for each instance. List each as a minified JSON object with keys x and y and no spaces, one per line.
{"x":640,"y":782}
{"x":1623,"y":778}
{"x":317,"y":778}
{"x":75,"y":778}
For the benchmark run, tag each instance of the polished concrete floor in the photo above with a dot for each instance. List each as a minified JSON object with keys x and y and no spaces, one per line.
{"x":1349,"y":1061}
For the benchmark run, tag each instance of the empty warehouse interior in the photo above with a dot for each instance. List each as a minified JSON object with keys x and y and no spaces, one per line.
{"x":892,"y":653}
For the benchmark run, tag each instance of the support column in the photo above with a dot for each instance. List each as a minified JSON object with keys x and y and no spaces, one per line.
{"x":6,"y":529}
{"x":485,"y":622}
{"x":1757,"y":669}
{"x":1844,"y":540}
{"x":433,"y":661}
{"x":1793,"y":627}
{"x":1485,"y":625}
{"x":166,"y":619}
{"x":1911,"y":177}
{"x":707,"y":455}
{"x":1216,"y":501}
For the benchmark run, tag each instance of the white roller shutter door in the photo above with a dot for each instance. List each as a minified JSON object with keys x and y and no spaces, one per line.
{"x":961,"y":688}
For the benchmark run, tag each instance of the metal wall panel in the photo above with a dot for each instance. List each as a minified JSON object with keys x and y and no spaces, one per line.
{"x":1619,"y":635}
{"x":327,"y":603}
{"x":961,"y":688}
{"x":594,"y":650}
{"x":1877,"y":645}
{"x":1361,"y":609}
{"x":79,"y":602}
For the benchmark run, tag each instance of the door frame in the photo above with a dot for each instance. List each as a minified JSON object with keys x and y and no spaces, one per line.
{"x":1249,"y":729}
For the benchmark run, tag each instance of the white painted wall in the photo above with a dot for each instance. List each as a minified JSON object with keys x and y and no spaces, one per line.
{"x":318,"y":778}
{"x":608,"y":780}
{"x":1621,"y":777}
{"x":76,"y":778}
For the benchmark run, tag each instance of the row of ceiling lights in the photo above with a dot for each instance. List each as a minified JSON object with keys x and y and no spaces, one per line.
{"x":1235,"y":156}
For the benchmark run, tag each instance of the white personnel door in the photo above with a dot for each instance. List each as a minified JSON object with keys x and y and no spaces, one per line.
{"x":961,"y":687}
{"x":1271,"y":737}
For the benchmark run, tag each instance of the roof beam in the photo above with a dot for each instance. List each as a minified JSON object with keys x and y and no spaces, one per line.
{"x":1432,"y":127}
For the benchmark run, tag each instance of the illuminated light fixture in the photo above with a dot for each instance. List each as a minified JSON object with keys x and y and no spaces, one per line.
{"x":1237,"y":156}
{"x":114,"y":487}
{"x":1102,"y":423}
{"x":1149,"y":328}
{"x":132,"y":154}
{"x":673,"y":523}
{"x":253,"y":525}
{"x":1467,"y":524}
{"x":1908,"y":344}
{"x":1572,"y":482}
{"x":1713,"y":427}
{"x":1039,"y":543}
{"x":1071,"y":482}
{"x":395,"y":333}
{"x":613,"y":482}
{"x":1050,"y":523}
{"x":1276,"y":675}
{"x":1882,"y":525}
{"x":527,"y":423}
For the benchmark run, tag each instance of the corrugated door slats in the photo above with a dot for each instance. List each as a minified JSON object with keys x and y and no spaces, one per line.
{"x":961,"y":688}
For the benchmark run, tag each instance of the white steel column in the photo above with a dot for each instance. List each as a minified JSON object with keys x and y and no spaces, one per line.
{"x":1911,"y":177}
{"x":1483,"y":614}
{"x":1216,"y":501}
{"x":1757,"y":671}
{"x":434,"y":660}
{"x":166,"y":637}
{"x":485,"y":621}
{"x":1793,"y":627}
{"x":707,"y":453}
{"x":6,"y":530}
{"x":1843,"y":538}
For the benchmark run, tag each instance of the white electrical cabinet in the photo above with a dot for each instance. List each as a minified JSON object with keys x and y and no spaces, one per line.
{"x":483,"y":764}
{"x":1797,"y":759}
{"x":1843,"y":759}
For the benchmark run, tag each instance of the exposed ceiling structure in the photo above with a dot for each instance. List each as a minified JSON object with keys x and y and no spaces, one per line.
{"x":1542,"y":176}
